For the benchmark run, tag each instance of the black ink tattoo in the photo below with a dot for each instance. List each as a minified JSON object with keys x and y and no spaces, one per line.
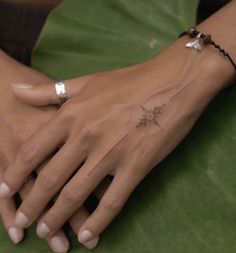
{"x":107,"y":153}
{"x":150,"y":116}
{"x":182,"y":89}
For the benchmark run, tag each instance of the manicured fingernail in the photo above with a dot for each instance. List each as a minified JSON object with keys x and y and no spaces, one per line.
{"x":85,"y":235}
{"x":59,"y":245}
{"x":91,"y":244}
{"x":15,"y":234}
{"x":21,"y":85}
{"x":43,"y":230}
{"x":21,"y":220}
{"x":4,"y":190}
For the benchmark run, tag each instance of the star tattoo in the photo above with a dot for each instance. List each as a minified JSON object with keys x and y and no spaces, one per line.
{"x":150,"y":116}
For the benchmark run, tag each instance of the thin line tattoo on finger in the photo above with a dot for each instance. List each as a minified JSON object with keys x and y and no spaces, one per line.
{"x":108,"y":152}
{"x":152,"y":115}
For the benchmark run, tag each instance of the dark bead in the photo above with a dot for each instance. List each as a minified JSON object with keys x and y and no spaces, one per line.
{"x":191,"y":32}
{"x":206,"y":39}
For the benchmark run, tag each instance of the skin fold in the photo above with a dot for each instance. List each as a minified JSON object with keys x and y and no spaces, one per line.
{"x":137,"y":117}
{"x":18,"y":123}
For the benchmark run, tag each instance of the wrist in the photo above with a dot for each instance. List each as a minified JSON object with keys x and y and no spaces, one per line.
{"x":208,"y":71}
{"x":217,"y":70}
{"x":209,"y":65}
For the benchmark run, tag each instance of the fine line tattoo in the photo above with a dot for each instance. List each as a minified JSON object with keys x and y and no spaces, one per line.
{"x":108,"y":152}
{"x":152,"y":115}
{"x":182,"y":89}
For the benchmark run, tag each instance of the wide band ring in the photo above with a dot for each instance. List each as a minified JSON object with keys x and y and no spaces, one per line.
{"x":61,"y":91}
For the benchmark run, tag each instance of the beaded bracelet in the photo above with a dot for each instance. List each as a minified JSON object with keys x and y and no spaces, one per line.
{"x":203,"y":39}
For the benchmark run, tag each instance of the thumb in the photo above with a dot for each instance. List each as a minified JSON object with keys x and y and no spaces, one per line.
{"x":45,"y":93}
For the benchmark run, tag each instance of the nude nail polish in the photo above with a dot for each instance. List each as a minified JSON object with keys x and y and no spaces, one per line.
{"x":21,"y":220}
{"x":85,"y":235}
{"x":59,"y":245}
{"x":91,"y":244}
{"x":15,"y":234}
{"x":43,"y":230}
{"x":4,"y":190}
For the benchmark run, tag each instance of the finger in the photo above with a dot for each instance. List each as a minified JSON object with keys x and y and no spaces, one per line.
{"x":30,"y":155}
{"x":79,"y":188}
{"x":109,"y":206}
{"x":7,"y":211}
{"x":82,"y":214}
{"x":49,"y":181}
{"x":73,"y":196}
{"x":77,"y":221}
{"x":45,"y":94}
{"x":58,"y":242}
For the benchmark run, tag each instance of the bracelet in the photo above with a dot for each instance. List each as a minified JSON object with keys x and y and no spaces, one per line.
{"x":204,"y":39}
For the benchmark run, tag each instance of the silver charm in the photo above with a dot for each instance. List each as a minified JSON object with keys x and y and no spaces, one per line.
{"x":196,"y":44}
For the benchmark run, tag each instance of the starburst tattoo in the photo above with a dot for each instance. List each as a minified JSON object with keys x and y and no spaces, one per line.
{"x":150,"y":116}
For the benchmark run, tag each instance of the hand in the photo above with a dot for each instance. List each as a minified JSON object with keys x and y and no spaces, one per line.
{"x":122,"y":123}
{"x":16,"y":127}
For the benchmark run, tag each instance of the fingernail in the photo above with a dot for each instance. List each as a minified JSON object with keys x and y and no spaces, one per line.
{"x":85,"y":235}
{"x":58,"y":244}
{"x":21,"y":85}
{"x":91,"y":244}
{"x":21,"y":220}
{"x":15,"y":234}
{"x":43,"y":230}
{"x":4,"y":190}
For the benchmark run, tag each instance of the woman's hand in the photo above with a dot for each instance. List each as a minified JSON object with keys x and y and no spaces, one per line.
{"x":122,"y":123}
{"x":18,"y":123}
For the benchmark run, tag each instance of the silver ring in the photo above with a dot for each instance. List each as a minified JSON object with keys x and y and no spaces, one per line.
{"x":61,"y":91}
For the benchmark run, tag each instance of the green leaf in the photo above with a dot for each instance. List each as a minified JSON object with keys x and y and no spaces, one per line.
{"x":187,"y":203}
{"x":84,"y":36}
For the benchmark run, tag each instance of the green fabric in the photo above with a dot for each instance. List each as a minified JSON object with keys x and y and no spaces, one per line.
{"x":186,"y":204}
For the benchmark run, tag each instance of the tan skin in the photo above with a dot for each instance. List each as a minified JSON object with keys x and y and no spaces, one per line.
{"x":102,"y":131}
{"x":18,"y":123}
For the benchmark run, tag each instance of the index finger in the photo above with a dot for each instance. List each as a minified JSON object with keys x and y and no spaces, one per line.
{"x":30,"y":155}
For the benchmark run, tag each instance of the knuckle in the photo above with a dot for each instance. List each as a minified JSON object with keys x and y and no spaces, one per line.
{"x":55,"y":125}
{"x":90,"y":130}
{"x":26,"y":154}
{"x":29,"y":209}
{"x":71,"y":197}
{"x":69,"y":109}
{"x":47,"y":180}
{"x":112,"y":204}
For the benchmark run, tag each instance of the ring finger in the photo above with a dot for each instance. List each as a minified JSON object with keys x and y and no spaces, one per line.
{"x":82,"y":215}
